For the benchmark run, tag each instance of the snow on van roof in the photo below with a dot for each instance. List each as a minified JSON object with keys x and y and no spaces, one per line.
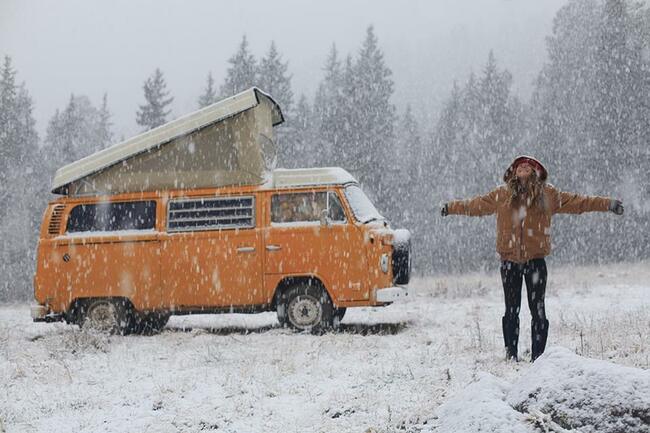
{"x":283,"y":178}
{"x":163,"y":134}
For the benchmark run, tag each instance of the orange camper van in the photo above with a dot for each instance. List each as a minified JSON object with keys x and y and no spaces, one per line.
{"x":306,"y":243}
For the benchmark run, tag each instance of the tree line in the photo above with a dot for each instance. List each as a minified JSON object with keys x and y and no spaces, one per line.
{"x":588,"y":119}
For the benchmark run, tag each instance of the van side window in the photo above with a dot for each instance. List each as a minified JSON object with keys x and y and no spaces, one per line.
{"x":211,"y":213}
{"x":111,"y":216}
{"x":306,"y":207}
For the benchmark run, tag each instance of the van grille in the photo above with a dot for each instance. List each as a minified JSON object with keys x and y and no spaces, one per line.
{"x":54,"y":227}
{"x":211,"y":214}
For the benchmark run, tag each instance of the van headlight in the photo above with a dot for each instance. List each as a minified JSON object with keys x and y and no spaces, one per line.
{"x":383,"y":263}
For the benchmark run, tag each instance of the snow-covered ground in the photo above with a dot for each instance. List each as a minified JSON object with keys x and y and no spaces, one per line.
{"x":434,"y":363}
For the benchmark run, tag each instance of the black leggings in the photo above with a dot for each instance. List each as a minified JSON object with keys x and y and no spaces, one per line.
{"x":534,"y":272}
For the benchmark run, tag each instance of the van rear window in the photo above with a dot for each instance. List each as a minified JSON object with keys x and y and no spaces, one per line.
{"x":112,"y":216}
{"x":211,"y":214}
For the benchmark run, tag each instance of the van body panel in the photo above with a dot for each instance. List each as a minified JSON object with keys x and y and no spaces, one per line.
{"x":333,"y":251}
{"x":378,"y":242}
{"x":217,"y":268}
{"x":101,"y":266}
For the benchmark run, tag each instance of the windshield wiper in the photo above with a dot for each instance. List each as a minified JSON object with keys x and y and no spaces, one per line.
{"x":373,"y":219}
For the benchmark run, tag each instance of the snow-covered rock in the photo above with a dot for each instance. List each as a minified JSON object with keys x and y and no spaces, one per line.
{"x":587,"y":394}
{"x":560,"y":392}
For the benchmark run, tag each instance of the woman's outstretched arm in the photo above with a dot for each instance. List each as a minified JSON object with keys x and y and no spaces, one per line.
{"x":572,"y":203}
{"x":478,"y":206}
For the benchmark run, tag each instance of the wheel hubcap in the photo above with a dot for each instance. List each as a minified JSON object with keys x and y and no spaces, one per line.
{"x":305,"y":311}
{"x":102,"y":318}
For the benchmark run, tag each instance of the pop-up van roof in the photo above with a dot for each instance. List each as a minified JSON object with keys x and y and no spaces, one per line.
{"x":227,"y":143}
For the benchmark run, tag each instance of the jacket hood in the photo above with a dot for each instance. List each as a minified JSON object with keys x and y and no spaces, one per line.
{"x":537,"y":165}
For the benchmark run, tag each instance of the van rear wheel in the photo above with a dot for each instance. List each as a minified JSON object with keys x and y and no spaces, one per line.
{"x":151,"y":323}
{"x":106,"y":316}
{"x":306,"y":307}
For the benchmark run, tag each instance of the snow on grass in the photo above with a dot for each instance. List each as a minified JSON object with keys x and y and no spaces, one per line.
{"x":387,"y":369}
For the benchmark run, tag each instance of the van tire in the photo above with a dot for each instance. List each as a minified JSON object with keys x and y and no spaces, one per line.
{"x":106,"y":316}
{"x":339,"y":313}
{"x":306,"y":307}
{"x":150,"y":323}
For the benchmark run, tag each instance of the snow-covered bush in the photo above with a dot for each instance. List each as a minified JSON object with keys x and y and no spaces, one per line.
{"x":81,"y":342}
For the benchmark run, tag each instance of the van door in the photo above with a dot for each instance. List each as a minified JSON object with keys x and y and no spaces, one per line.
{"x":111,"y":249}
{"x":211,"y":254}
{"x":297,"y":244}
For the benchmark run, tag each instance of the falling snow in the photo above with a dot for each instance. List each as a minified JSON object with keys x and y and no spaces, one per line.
{"x":433,"y":362}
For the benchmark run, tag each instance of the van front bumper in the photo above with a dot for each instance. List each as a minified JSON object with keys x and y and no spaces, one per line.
{"x":392,"y":294}
{"x":40,"y":313}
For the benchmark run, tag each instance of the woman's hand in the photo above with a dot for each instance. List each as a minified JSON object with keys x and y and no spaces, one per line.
{"x":616,"y":206}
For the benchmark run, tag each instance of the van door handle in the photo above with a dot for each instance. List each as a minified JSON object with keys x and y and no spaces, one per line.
{"x":273,"y":247}
{"x":246,"y":249}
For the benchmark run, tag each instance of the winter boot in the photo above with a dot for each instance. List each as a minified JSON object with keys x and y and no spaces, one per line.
{"x":510,"y":326}
{"x":539,"y":334}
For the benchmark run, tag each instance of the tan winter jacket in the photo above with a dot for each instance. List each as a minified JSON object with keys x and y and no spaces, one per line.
{"x":525,"y":233}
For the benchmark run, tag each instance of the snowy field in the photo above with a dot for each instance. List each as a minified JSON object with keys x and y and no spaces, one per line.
{"x":434,"y":364}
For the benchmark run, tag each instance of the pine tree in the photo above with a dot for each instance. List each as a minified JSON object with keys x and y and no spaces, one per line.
{"x":448,"y":142}
{"x":621,"y":91}
{"x":498,"y":133}
{"x":405,"y":169}
{"x":241,"y":73}
{"x":303,"y":144}
{"x":79,"y":130}
{"x":481,"y":123}
{"x":9,"y":126}
{"x":348,"y":152}
{"x":273,"y":78}
{"x":104,"y":125}
{"x":328,"y":109}
{"x":154,"y":112}
{"x":209,"y":95}
{"x":18,"y":137}
{"x":372,"y":115}
{"x":353,"y":113}
{"x":21,"y":184}
{"x":494,"y":98}
{"x":562,"y":93}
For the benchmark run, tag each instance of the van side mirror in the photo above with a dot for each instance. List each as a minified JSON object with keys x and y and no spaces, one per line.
{"x":324,"y":219}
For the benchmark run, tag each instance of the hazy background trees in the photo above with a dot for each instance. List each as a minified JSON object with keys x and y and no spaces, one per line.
{"x":588,"y":120}
{"x":154,"y":111}
{"x":209,"y":95}
{"x":20,"y":173}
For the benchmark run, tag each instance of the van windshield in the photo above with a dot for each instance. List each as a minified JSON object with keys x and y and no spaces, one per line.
{"x":363,"y":209}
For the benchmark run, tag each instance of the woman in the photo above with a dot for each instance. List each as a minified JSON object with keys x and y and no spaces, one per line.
{"x":524,"y":206}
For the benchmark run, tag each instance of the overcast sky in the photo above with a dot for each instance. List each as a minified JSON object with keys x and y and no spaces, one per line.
{"x":91,"y":47}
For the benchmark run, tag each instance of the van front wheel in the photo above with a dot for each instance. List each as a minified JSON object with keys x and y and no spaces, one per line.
{"x":308,"y":308}
{"x":339,"y":313}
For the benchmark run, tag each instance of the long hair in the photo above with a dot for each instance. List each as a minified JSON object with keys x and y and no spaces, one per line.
{"x":529,"y":192}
